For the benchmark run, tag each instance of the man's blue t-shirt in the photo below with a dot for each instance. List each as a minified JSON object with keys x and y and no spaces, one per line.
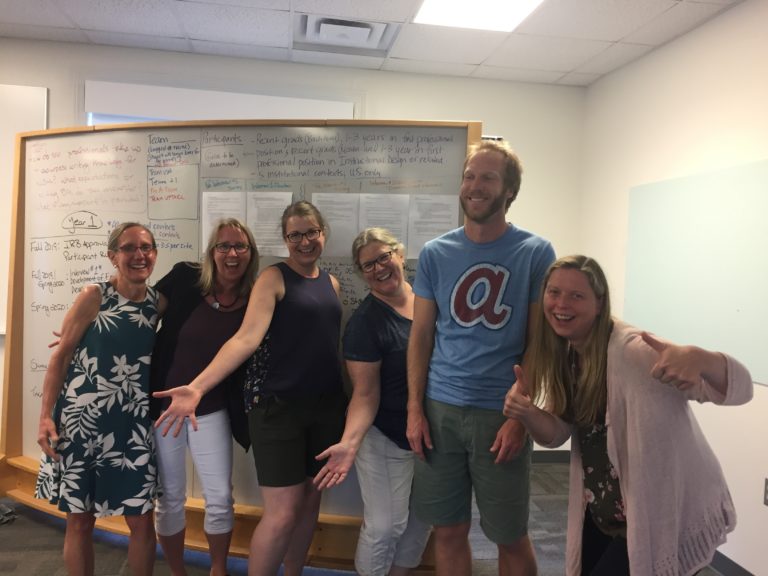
{"x":482,"y":293}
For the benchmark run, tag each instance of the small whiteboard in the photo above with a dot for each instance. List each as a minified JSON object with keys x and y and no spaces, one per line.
{"x":696,"y":269}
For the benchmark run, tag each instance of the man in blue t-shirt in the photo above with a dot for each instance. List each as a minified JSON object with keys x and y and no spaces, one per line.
{"x":476,"y":288}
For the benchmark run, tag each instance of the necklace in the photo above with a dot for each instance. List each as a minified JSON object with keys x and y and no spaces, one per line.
{"x":217,"y":304}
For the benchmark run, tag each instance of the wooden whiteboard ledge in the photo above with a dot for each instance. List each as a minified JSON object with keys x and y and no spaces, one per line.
{"x":333,"y":544}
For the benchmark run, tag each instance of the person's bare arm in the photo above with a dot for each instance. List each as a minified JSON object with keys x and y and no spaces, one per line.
{"x":420,"y":345}
{"x":510,"y":438}
{"x":267,"y":291}
{"x":74,"y":326}
{"x":366,"y":393}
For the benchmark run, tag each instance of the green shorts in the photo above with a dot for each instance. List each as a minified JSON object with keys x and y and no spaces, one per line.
{"x":460,"y":461}
{"x":286,"y":435}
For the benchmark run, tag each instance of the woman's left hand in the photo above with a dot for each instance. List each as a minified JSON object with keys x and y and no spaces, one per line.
{"x":340,"y":457}
{"x":517,"y":403}
{"x":684,"y":367}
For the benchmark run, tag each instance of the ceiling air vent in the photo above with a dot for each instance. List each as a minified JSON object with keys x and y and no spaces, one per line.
{"x":326,"y":34}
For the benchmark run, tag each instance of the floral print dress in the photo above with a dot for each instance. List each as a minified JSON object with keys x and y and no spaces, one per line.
{"x":602,"y":491}
{"x":107,"y":457}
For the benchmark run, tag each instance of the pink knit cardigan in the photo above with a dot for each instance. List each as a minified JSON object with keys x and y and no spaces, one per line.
{"x":677,"y":503}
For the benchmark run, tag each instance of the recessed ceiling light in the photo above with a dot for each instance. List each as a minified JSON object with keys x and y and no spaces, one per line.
{"x":496,"y":15}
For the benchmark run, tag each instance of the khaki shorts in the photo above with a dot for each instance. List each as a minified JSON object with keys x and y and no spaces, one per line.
{"x":460,"y":461}
{"x":286,"y":435}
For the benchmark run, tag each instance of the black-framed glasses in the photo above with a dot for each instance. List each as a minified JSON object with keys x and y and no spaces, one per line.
{"x":381,"y":259}
{"x":132,"y":248}
{"x":225,"y":247}
{"x":296,"y":236}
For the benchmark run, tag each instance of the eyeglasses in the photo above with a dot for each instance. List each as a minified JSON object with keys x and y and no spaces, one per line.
{"x":311,"y":234}
{"x":131,"y":248}
{"x":381,"y":259}
{"x":225,"y":247}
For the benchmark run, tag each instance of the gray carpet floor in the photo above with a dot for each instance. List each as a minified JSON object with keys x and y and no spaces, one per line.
{"x":31,"y":544}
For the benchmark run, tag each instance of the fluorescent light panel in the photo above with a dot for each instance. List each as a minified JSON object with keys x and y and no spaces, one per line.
{"x":496,"y":15}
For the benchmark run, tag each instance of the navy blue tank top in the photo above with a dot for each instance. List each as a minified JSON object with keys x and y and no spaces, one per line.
{"x":302,"y":344}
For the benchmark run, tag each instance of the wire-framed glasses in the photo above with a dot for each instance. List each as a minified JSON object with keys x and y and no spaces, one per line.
{"x":225,"y":247}
{"x":296,"y":236}
{"x":381,"y":259}
{"x":132,"y":248}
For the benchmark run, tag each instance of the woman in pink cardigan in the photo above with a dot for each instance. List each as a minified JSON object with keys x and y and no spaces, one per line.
{"x":647,"y":494}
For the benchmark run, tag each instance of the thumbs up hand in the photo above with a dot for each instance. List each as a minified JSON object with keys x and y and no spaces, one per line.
{"x":517,"y":403}
{"x":686,"y":366}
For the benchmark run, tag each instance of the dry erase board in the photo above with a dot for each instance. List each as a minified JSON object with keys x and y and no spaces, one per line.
{"x":176,"y":178}
{"x":695,"y":254}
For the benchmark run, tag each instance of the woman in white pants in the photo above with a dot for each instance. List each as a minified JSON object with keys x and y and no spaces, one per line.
{"x":392,"y":539}
{"x":205,"y":307}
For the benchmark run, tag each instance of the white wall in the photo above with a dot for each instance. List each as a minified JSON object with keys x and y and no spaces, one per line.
{"x":696,"y":105}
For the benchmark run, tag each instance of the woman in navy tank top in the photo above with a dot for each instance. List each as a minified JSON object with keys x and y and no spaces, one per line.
{"x":294,"y":389}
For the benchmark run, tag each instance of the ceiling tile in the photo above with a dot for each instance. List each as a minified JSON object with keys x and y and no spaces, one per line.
{"x":681,"y":18}
{"x":34,"y":13}
{"x":138,"y":41}
{"x":721,"y":2}
{"x":268,"y":4}
{"x":335,"y":59}
{"x":516,"y":74}
{"x":236,"y":24}
{"x":543,"y":53}
{"x":608,"y":20}
{"x":42,"y":33}
{"x":613,"y":57}
{"x":377,"y":10}
{"x":421,"y":67}
{"x":239,"y":50}
{"x":131,"y":16}
{"x":562,"y":42}
{"x":441,"y":44}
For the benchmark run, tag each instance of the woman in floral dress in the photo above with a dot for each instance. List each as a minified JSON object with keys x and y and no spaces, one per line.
{"x":95,"y":430}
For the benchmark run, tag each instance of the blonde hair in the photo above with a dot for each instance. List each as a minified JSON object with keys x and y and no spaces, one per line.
{"x":551,"y":364}
{"x":117,"y":231}
{"x":208,"y":265}
{"x":375,"y":234}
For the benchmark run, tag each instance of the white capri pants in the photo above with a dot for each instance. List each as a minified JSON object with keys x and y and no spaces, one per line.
{"x":211,"y":449}
{"x":390,"y":535}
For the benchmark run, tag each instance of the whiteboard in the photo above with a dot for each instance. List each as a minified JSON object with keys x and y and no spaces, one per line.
{"x":696,"y":256}
{"x":79,"y":184}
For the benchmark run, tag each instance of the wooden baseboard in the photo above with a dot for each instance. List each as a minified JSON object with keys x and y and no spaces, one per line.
{"x":7,"y":479}
{"x":333,"y":545}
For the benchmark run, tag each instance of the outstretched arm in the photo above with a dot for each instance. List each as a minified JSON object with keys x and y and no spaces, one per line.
{"x":268,"y":290}
{"x":685,"y":366}
{"x":366,"y":390}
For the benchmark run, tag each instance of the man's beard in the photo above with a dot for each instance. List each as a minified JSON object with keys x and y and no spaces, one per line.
{"x":481,"y":218}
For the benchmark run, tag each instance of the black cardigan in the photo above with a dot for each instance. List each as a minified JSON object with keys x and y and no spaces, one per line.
{"x":180,"y":287}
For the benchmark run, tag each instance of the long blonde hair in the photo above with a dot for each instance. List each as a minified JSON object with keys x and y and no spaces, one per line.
{"x":577,"y":396}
